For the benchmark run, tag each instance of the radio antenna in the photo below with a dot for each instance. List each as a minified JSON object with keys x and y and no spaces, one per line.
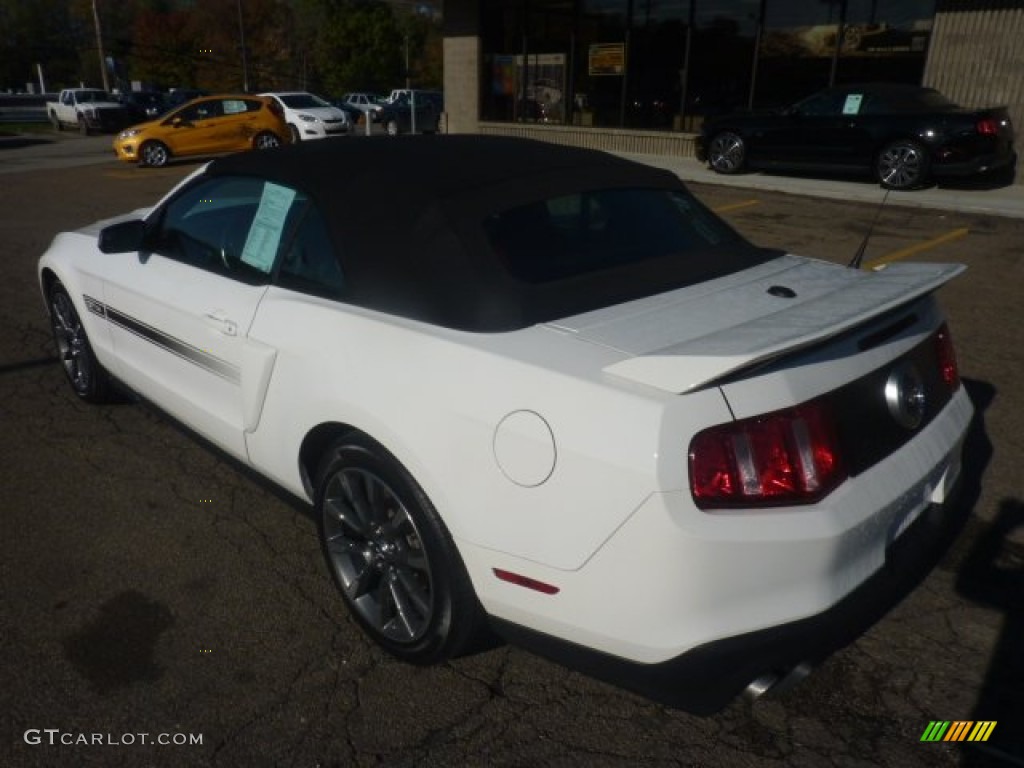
{"x":859,"y":256}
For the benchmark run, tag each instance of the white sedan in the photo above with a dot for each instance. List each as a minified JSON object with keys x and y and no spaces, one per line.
{"x":310,"y":117}
{"x":543,"y":390}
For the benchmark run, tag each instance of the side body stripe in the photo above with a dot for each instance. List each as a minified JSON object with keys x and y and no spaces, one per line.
{"x":182,"y":349}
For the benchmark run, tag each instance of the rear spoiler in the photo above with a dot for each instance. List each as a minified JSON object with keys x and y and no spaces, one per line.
{"x":698,"y":362}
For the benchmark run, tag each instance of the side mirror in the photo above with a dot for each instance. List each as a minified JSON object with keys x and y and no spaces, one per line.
{"x":123,"y":237}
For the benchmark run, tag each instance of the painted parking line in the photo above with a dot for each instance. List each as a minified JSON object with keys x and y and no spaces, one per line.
{"x":736,"y":206}
{"x":903,"y":253}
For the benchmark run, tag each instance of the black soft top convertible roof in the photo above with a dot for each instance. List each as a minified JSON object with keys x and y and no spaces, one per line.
{"x":406,"y":217}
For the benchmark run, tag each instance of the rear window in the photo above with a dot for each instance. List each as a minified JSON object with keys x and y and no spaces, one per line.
{"x":603,"y":229}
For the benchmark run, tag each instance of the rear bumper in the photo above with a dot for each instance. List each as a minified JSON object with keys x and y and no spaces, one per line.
{"x":976,"y":165}
{"x":689,"y":608}
{"x":707,"y":678}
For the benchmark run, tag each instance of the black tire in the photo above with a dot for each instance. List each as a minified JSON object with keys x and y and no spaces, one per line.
{"x":296,"y":136}
{"x":727,"y":153}
{"x":155,"y":154}
{"x":87,"y":377}
{"x":83,"y":127}
{"x":391,"y":556}
{"x":57,"y":124}
{"x":266,"y":140}
{"x":903,"y":164}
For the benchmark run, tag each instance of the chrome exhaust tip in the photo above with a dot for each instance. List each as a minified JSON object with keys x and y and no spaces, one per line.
{"x":760,"y":686}
{"x":776,"y":683}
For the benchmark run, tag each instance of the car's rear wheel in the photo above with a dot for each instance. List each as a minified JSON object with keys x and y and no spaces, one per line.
{"x":727,"y":152}
{"x":391,"y":555}
{"x":296,"y":136}
{"x":903,"y":165}
{"x":87,"y":377}
{"x":266,"y":140}
{"x":154,"y":154}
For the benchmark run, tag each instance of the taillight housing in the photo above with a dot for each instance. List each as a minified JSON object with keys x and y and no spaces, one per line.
{"x":946,"y":356}
{"x":987,"y":127}
{"x":786,"y":457}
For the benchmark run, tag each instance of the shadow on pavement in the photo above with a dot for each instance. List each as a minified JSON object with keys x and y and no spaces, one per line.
{"x":25,"y":365}
{"x":17,"y":142}
{"x":993,"y":576}
{"x":990,"y":573}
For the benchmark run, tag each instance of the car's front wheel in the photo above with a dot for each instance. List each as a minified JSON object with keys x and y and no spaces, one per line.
{"x":83,"y":127}
{"x":266,"y":140}
{"x":154,"y":154}
{"x":87,"y":377}
{"x":391,"y":555}
{"x":727,"y":152}
{"x":57,"y":124}
{"x":296,"y":136}
{"x":903,"y":165}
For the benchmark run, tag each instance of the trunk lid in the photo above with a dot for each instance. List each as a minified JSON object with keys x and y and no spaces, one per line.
{"x":686,"y":339}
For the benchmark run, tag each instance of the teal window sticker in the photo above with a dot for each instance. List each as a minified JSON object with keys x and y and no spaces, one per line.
{"x":852,"y":104}
{"x":268,"y":224}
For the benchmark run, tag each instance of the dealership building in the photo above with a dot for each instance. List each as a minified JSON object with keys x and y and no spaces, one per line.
{"x":641,"y":75}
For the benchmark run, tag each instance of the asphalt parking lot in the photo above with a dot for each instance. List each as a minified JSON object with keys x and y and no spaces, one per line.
{"x":153,"y":591}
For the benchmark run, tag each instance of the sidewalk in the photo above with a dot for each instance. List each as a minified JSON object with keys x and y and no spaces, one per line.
{"x":964,"y":197}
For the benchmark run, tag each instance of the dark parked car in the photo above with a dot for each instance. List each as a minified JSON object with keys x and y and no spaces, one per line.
{"x":396,"y":116}
{"x":143,"y":105}
{"x":905,"y":135}
{"x":180,"y":96}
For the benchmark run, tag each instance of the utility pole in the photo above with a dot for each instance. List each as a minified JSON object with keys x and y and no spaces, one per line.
{"x":241,"y":40}
{"x":99,"y":46}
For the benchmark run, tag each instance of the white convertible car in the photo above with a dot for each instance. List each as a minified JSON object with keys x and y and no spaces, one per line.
{"x":541,"y":390}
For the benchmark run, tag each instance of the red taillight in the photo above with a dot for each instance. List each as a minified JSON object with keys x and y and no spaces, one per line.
{"x":987,"y":127}
{"x":786,"y":457}
{"x":946,"y":355}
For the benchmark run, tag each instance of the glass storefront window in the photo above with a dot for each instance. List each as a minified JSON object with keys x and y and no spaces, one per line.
{"x":665,"y":64}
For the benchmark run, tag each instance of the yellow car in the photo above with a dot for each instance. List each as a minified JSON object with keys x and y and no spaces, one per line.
{"x":205,"y":126}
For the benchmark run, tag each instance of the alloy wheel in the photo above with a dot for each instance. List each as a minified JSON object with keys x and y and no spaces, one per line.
{"x":72,"y":346}
{"x":376,"y":551}
{"x":727,"y":152}
{"x":901,"y":165}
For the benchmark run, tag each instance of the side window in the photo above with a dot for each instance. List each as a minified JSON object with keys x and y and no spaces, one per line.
{"x":823,"y":104}
{"x":207,"y":109}
{"x":191,"y":114}
{"x":230,"y":226}
{"x":239,"y":106}
{"x":310,"y":264}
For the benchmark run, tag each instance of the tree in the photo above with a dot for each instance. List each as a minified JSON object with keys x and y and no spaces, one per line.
{"x":164,"y":50}
{"x":40,"y":32}
{"x":360,"y":47}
